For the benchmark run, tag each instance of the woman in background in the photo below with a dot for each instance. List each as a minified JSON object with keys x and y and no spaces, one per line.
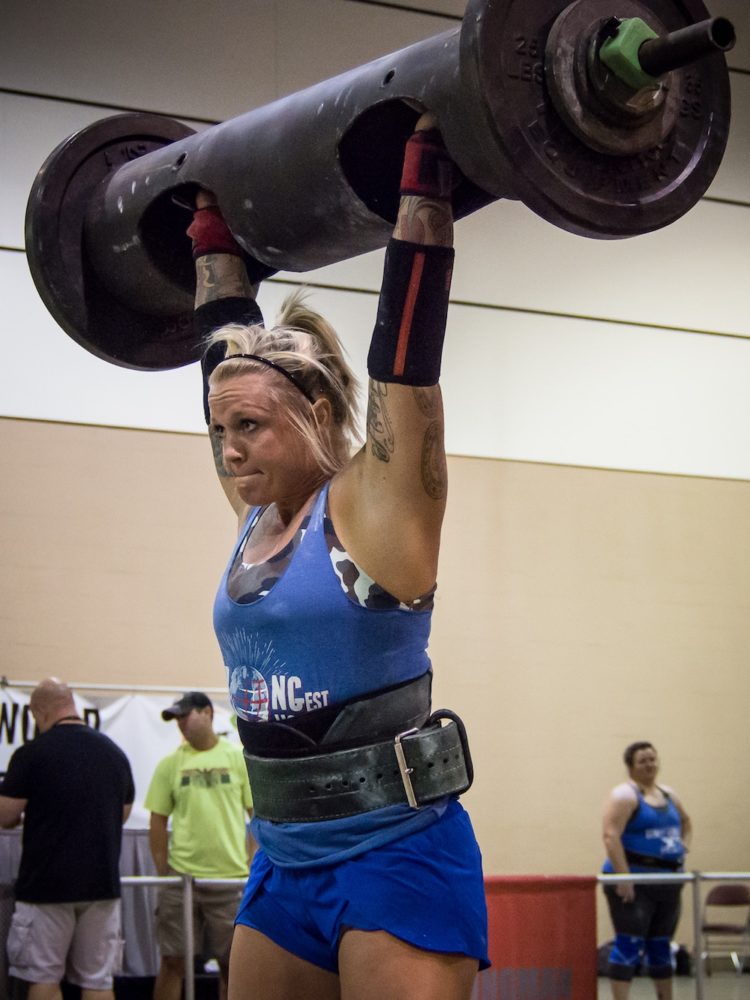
{"x":645,"y":829}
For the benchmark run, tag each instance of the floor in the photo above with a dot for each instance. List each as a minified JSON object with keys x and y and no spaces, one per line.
{"x":719,"y":986}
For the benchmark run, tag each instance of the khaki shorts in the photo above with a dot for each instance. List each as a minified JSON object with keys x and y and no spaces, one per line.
{"x":78,"y":941}
{"x":214,"y":911}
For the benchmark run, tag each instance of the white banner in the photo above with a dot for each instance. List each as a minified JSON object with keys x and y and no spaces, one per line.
{"x":133,"y":722}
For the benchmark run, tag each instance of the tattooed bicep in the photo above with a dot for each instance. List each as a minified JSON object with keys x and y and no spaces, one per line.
{"x":428,"y":400}
{"x":434,"y":464}
{"x":380,"y":433}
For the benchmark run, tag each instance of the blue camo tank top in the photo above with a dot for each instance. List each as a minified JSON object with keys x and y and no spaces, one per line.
{"x":653,"y":831}
{"x":303,"y":645}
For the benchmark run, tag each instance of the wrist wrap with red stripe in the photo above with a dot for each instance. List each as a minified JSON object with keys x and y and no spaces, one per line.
{"x":407,"y":343}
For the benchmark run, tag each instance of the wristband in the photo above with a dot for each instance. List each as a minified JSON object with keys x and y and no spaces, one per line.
{"x":407,"y":343}
{"x":210,"y":233}
{"x":428,"y":170}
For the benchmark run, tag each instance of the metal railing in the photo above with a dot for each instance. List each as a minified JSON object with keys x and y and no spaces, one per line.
{"x":187,"y":882}
{"x":694,"y":878}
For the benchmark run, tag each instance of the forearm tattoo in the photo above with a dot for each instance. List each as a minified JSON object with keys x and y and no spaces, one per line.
{"x":216,"y":448}
{"x":421,"y":220}
{"x":434,"y":465}
{"x":428,"y":400}
{"x":220,"y":276}
{"x":379,"y":428}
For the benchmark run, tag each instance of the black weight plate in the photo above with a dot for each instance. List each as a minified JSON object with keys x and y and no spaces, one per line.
{"x":65,"y":278}
{"x":554,"y":172}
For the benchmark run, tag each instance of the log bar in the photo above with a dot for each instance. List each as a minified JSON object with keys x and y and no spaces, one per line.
{"x":312,"y":178}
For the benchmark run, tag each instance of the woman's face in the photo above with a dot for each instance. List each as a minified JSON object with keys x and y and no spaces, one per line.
{"x":260,"y":446}
{"x":645,"y":766}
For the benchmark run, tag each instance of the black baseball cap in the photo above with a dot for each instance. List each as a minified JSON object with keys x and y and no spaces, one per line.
{"x":189,"y":701}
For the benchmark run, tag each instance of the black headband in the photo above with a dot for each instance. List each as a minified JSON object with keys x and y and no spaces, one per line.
{"x":277,"y":368}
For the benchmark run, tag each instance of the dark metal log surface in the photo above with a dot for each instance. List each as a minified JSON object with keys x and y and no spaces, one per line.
{"x":312,"y":179}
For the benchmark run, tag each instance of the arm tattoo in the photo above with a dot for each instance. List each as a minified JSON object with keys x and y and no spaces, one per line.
{"x":421,"y":220}
{"x":427,"y":400}
{"x":434,"y":465}
{"x":379,"y":429}
{"x":220,"y":276}
{"x":218,"y":456}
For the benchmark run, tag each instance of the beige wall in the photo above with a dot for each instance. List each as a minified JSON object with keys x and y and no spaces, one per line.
{"x":578,"y":609}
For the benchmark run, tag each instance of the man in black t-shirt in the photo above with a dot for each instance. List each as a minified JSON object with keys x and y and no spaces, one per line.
{"x":73,"y":788}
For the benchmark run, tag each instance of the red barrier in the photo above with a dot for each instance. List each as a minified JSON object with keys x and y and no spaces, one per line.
{"x":542,"y":938}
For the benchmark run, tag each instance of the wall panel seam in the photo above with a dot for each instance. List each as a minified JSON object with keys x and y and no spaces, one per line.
{"x":409,"y":9}
{"x":526,"y":310}
{"x":496,"y":307}
{"x":454,"y":456}
{"x":86,"y":103}
{"x":735,"y":202}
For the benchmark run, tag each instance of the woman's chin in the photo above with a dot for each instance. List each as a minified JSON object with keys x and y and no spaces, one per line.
{"x":250,"y":491}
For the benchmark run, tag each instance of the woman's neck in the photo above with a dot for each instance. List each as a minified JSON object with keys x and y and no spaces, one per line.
{"x":646,"y":789}
{"x":291,"y":509}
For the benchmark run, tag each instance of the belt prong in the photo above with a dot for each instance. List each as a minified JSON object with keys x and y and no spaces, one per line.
{"x":404,"y":769}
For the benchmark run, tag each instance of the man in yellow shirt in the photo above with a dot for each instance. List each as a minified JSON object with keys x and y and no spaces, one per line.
{"x":203,"y":786}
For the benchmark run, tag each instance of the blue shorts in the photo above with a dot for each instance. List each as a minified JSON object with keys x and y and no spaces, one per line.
{"x":426,"y":889}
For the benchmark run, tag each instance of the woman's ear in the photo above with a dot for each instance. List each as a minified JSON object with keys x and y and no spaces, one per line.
{"x":323,"y":412}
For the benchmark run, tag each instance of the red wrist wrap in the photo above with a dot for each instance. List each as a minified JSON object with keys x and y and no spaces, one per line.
{"x":210,"y":233}
{"x":428,"y":170}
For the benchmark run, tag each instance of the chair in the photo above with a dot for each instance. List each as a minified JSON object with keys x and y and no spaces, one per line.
{"x":721,"y":935}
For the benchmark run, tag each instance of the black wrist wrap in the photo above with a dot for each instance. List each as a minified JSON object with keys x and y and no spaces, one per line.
{"x":257,"y":271}
{"x":407,"y":343}
{"x":210,"y":317}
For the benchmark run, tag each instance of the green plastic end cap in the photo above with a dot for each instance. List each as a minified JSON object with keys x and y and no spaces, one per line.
{"x":620,"y":53}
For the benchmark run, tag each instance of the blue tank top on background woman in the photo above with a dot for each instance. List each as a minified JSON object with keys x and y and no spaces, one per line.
{"x":653,"y":832}
{"x":305,"y":645}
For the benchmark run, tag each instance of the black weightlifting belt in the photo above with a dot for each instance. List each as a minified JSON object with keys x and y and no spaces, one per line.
{"x":647,"y":861}
{"x":415,"y":767}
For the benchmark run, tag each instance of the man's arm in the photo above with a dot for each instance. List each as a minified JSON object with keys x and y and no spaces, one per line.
{"x":158,"y":839}
{"x":126,"y":811}
{"x":11,"y":811}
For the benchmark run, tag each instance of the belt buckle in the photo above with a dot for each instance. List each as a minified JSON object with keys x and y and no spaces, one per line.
{"x":404,"y":769}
